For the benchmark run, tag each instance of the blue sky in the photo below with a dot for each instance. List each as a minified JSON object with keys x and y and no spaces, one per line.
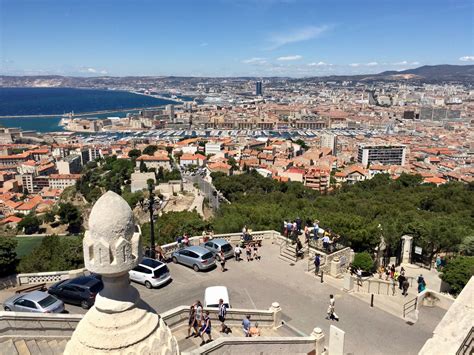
{"x":232,"y":37}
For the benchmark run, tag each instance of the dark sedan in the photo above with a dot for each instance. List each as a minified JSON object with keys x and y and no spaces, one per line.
{"x":80,"y":291}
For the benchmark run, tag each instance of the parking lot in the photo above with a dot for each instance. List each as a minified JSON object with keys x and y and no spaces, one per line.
{"x":304,"y":300}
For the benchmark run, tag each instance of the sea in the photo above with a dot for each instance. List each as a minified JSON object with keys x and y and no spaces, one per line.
{"x":58,"y":101}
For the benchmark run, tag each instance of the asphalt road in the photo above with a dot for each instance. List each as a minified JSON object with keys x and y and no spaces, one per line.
{"x":303,"y":299}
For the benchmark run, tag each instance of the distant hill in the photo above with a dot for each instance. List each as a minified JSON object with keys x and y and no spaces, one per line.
{"x":426,"y":74}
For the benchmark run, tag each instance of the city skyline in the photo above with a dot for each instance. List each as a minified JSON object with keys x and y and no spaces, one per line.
{"x":231,"y":38}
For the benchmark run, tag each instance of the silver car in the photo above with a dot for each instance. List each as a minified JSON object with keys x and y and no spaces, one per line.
{"x":36,"y":302}
{"x":216,"y":245}
{"x":198,"y":258}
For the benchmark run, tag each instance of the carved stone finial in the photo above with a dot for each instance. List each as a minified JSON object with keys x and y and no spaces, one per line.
{"x":111,"y":245}
{"x":119,"y":322}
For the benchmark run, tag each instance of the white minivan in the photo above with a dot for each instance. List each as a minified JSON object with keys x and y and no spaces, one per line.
{"x":151,"y":273}
{"x":213,"y":294}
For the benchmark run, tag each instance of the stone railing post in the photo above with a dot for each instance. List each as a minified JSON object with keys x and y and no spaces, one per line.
{"x":318,"y":335}
{"x":276,"y":309}
{"x":334,"y":271}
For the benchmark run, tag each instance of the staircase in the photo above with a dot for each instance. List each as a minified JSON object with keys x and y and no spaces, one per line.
{"x":32,"y":346}
{"x":288,"y":252}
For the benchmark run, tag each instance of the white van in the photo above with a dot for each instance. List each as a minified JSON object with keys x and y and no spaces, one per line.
{"x":213,"y":294}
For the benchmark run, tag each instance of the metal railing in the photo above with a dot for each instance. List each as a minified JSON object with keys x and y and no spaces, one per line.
{"x":467,"y":345}
{"x":410,"y":306}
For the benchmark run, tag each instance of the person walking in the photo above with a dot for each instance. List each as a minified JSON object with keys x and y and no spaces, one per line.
{"x":192,"y":322}
{"x":359,"y":276}
{"x":255,"y":252}
{"x":299,"y":249}
{"x":222,"y":314}
{"x":246,"y":326}
{"x":237,"y":252}
{"x":421,"y":283}
{"x":332,"y":309}
{"x":316,"y":230}
{"x":317,"y":264}
{"x":401,"y":278}
{"x":222,"y":260}
{"x":392,"y":271}
{"x":198,"y":316}
{"x":306,"y":234}
{"x":405,"y":286}
{"x":248,"y":252}
{"x":206,"y":329}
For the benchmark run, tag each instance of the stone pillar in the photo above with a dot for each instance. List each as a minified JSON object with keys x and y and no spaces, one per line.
{"x":336,"y":341}
{"x":348,"y":282}
{"x":276,"y":309}
{"x":119,"y":322}
{"x":319,"y":341}
{"x":334,"y":271}
{"x":406,"y":249}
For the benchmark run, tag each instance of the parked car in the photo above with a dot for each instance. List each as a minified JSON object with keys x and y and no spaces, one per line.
{"x":80,"y":291}
{"x":197,"y":257}
{"x":151,"y":273}
{"x":36,"y":302}
{"x":216,"y":245}
{"x":213,"y":294}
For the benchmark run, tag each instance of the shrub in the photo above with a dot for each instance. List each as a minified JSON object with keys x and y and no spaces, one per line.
{"x":458,"y":272}
{"x":363,"y":261}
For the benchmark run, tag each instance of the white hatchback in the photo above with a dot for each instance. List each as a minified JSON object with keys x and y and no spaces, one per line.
{"x":151,"y":273}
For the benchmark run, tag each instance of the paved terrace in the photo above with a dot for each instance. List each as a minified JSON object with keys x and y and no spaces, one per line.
{"x":303,"y":299}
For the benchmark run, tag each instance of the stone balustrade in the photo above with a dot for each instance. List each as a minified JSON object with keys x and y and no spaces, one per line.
{"x":178,"y":317}
{"x":37,"y":325}
{"x":48,"y":277}
{"x":232,"y":238}
{"x":259,"y":345}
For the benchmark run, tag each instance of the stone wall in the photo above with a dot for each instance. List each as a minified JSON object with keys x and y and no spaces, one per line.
{"x":21,"y":324}
{"x":48,"y":277}
{"x":258,"y":345}
{"x":232,"y":238}
{"x":178,"y":316}
{"x":334,"y":264}
{"x":451,"y":332}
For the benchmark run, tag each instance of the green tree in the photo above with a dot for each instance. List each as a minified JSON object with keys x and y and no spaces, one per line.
{"x":29,"y":224}
{"x":54,"y":254}
{"x":363,"y":261}
{"x":302,"y":144}
{"x":134,"y":153}
{"x":150,"y":150}
{"x":70,"y":215}
{"x":143,"y":168}
{"x":172,"y":224}
{"x":458,"y":272}
{"x":7,"y":255}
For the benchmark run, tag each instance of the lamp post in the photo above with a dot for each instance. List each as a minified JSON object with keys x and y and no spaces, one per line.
{"x":152,"y":228}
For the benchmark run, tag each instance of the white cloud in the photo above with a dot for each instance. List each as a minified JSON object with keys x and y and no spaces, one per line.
{"x":403,"y":62}
{"x":91,"y":70}
{"x":297,"y":35}
{"x":372,"y":64}
{"x":204,"y":44}
{"x":255,"y":60}
{"x":415,"y":63}
{"x":290,"y":57}
{"x":103,"y":72}
{"x":319,"y":64}
{"x":467,"y":58}
{"x":354,"y":65}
